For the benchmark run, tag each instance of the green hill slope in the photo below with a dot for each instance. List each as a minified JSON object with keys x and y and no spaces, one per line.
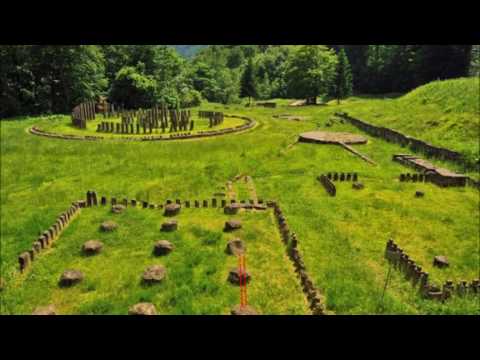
{"x":458,"y":95}
{"x":443,"y":113}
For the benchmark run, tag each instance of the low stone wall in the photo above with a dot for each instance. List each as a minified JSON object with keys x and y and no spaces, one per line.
{"x":334,"y":176}
{"x":271,"y":105}
{"x":328,"y":185}
{"x":313,"y":295}
{"x":250,"y":123}
{"x":419,"y":278}
{"x":429,"y":172}
{"x":48,"y":236}
{"x":404,"y":140}
{"x":250,"y":204}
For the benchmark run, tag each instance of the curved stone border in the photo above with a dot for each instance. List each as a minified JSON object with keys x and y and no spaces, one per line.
{"x":250,"y":124}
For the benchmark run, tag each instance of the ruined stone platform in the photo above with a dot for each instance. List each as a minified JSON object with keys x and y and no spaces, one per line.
{"x":326,"y":137}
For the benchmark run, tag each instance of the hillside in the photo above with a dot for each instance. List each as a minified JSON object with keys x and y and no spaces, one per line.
{"x":444,"y":113}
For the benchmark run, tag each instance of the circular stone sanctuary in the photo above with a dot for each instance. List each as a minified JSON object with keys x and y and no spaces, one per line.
{"x":104,"y":121}
{"x":325,"y":137}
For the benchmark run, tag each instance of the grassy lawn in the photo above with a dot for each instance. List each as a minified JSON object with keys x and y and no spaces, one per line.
{"x":342,"y":239}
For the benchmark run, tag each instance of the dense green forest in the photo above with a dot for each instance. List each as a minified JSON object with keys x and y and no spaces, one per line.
{"x":37,"y":79}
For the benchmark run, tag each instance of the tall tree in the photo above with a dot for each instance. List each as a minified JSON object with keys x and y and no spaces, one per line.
{"x":342,"y":86}
{"x":475,"y":61}
{"x":442,"y":62}
{"x":310,"y":72}
{"x":248,"y":86}
{"x":357,"y":56}
{"x":133,"y":89}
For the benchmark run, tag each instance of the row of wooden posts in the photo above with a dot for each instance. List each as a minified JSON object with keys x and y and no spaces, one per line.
{"x":83,"y":112}
{"x":214,"y":118}
{"x":148,"y":119}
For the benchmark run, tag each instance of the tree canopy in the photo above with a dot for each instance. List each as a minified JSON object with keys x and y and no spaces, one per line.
{"x":310,"y":71}
{"x":37,"y":79}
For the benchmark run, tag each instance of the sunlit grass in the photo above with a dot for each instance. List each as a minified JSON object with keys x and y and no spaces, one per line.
{"x":342,"y":239}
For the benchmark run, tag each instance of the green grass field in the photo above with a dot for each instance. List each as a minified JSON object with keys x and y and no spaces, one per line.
{"x":197,"y":269}
{"x":341,"y":239}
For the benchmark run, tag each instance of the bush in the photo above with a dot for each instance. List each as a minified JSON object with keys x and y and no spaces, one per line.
{"x":133,"y":89}
{"x":190,"y":98}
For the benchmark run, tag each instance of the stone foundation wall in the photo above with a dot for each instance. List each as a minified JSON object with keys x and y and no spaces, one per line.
{"x":340,"y":176}
{"x":328,"y":185}
{"x":271,"y":105}
{"x":48,"y":236}
{"x":420,"y":279}
{"x":313,"y":295}
{"x":250,"y":204}
{"x":405,"y":141}
{"x":429,"y":173}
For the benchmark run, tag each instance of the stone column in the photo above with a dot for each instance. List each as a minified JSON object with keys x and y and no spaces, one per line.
{"x":24,"y":261}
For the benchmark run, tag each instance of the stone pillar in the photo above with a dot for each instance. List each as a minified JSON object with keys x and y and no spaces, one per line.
{"x":423,"y":280}
{"x":37,"y":246}
{"x":133,"y":202}
{"x":94,"y":199}
{"x":24,"y":260}
{"x":187,"y":203}
{"x":462,"y":288}
{"x":125,"y":202}
{"x":224,"y":203}
{"x":114,"y":201}
{"x":355,"y":177}
{"x":205,"y":203}
{"x":178,"y":202}
{"x":52,"y":233}
{"x":197,"y":204}
{"x":103,"y":201}
{"x":214,"y":202}
{"x":89,"y":199}
{"x":144,"y":204}
{"x":448,"y":288}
